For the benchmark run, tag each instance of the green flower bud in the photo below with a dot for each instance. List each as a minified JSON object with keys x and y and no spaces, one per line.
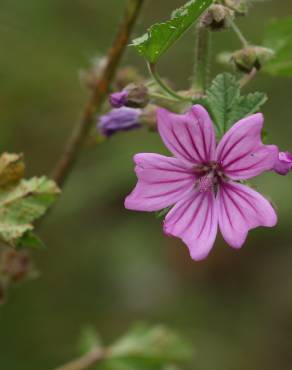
{"x":251,"y":57}
{"x":138,"y":96}
{"x":216,"y":17}
{"x":240,"y":7}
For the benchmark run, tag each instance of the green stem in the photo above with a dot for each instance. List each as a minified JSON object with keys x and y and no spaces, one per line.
{"x":162,"y":97}
{"x":238,"y":32}
{"x":163,"y":85}
{"x":202,"y":59}
{"x":89,"y":359}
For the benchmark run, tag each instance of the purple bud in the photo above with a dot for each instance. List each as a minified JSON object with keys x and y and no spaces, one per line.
{"x":284,"y":164}
{"x":119,"y":99}
{"x":122,"y":119}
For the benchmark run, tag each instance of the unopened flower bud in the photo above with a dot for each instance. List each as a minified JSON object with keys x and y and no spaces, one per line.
{"x":149,"y":117}
{"x":251,"y":57}
{"x":89,"y":78}
{"x":122,"y":119}
{"x":240,"y":7}
{"x":216,"y":17}
{"x":284,"y":163}
{"x":133,"y":96}
{"x":119,"y":99}
{"x":126,"y":76}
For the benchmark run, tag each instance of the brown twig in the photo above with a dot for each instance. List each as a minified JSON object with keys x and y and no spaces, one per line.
{"x":91,"y":358}
{"x":114,"y":55}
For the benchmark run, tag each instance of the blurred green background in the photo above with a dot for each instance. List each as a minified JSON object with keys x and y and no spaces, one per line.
{"x":105,"y":265}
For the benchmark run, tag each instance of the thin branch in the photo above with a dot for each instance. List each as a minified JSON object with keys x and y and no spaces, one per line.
{"x":238,"y":32}
{"x":79,"y":134}
{"x":86,"y":361}
{"x":154,"y":74}
{"x":248,"y":78}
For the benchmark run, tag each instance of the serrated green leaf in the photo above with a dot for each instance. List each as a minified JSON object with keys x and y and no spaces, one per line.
{"x":279,"y":38}
{"x":22,"y":204}
{"x":154,"y":344}
{"x":161,"y":36}
{"x":247,"y":105}
{"x":221,"y":98}
{"x":227,"y":105}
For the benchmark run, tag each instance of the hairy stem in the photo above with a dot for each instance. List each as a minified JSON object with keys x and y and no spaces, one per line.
{"x":80,"y":132}
{"x":202,"y":58}
{"x":248,"y":77}
{"x":238,"y":32}
{"x":154,"y":74}
{"x":89,"y":359}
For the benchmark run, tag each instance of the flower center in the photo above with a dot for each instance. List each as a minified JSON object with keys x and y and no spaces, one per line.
{"x":209,"y":175}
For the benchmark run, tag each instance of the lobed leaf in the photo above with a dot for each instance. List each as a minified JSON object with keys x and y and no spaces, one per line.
{"x":22,"y":204}
{"x":153,"y":344}
{"x":161,"y":36}
{"x":227,"y":105}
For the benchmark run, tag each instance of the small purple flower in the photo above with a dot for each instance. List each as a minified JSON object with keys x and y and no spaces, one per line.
{"x":203,"y":181}
{"x":122,"y":119}
{"x":284,"y":163}
{"x":119,"y":99}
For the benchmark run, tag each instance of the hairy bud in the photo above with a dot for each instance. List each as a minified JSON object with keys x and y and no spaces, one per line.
{"x":122,"y":119}
{"x":89,"y":78}
{"x":149,"y":117}
{"x":251,"y":57}
{"x":127,"y":75}
{"x":240,"y":7}
{"x":133,"y":96}
{"x":216,"y":17}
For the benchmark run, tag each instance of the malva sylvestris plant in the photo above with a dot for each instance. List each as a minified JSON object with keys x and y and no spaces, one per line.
{"x":213,"y":131}
{"x":203,"y":187}
{"x":204,"y":182}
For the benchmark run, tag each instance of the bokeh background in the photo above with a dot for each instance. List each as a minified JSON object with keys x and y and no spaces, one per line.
{"x":109,"y":267}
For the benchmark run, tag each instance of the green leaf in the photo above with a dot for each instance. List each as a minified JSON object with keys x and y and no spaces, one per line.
{"x":11,"y":168}
{"x":155,"y":344}
{"x":30,"y":240}
{"x":226,"y":104}
{"x":161,"y":36}
{"x":221,"y":98}
{"x":21,"y":205}
{"x":279,"y":38}
{"x":247,"y":105}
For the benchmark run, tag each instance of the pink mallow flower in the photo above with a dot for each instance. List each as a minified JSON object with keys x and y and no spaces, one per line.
{"x":284,"y":163}
{"x":202,"y":181}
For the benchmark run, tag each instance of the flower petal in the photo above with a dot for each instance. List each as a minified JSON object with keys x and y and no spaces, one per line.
{"x":241,"y":151}
{"x":283,"y":164}
{"x":194,"y":219}
{"x":162,"y":181}
{"x":189,"y":136}
{"x":240,"y":209}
